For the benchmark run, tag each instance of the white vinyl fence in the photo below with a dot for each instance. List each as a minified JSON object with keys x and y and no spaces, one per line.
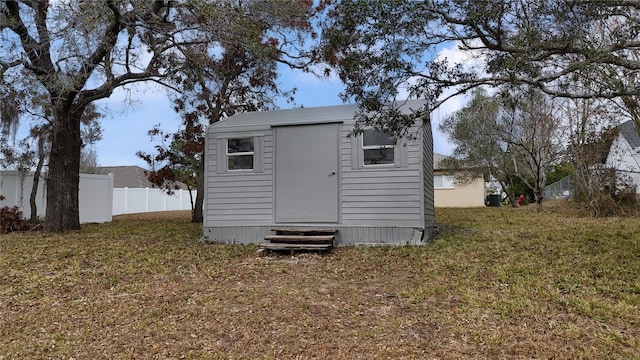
{"x":139,"y":200}
{"x":99,"y":201}
{"x":95,"y":195}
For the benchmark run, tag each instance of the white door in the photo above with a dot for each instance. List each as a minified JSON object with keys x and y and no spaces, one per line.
{"x":307,"y":173}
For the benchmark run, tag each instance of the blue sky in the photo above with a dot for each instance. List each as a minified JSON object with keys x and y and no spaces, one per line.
{"x":130,"y":114}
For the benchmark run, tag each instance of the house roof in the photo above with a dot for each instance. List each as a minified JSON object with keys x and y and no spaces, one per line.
{"x":601,"y":150}
{"x":629,"y":131}
{"x":436,"y":160}
{"x":126,"y":176}
{"x":300,"y":116}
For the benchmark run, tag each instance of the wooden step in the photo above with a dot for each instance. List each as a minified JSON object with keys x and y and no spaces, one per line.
{"x":292,"y":239}
{"x":292,"y":247}
{"x":304,"y":231}
{"x":313,"y":239}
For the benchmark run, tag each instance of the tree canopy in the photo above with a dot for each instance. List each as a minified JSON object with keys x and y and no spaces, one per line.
{"x":77,"y":52}
{"x":240,"y":76}
{"x":576,"y":49}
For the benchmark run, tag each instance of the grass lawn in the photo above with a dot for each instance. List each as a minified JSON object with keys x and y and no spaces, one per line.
{"x":496,"y":283}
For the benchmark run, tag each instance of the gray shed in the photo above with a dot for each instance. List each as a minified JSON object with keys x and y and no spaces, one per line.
{"x":298,"y":168}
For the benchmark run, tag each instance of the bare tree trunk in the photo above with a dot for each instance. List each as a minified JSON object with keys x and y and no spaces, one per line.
{"x":64,"y":174}
{"x":538,"y":191}
{"x":36,"y":180}
{"x":197,"y":215}
{"x":538,"y":197}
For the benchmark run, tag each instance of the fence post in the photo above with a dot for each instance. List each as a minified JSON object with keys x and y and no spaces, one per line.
{"x":126,"y":200}
{"x":111,"y":197}
{"x":18,"y":188}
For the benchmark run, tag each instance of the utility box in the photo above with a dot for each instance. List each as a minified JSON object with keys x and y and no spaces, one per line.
{"x":493,"y":200}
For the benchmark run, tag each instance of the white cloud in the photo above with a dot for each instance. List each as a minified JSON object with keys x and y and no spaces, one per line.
{"x":470,"y":59}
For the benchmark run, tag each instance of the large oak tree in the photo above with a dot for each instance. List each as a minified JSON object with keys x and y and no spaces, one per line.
{"x":81,"y":51}
{"x":381,"y":46}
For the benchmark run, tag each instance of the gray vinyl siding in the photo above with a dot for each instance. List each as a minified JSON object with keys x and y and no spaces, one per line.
{"x":377,"y":205}
{"x":427,"y":178}
{"x":239,"y":197}
{"x":346,"y":235}
{"x":380,"y":196}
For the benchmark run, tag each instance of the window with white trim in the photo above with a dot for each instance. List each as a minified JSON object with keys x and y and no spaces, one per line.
{"x":378,"y":148}
{"x":444,"y":182}
{"x":240,"y":153}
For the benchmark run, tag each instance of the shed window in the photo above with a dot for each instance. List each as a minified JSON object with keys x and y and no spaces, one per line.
{"x":378,"y":148}
{"x":443,"y":182}
{"x":240,"y":153}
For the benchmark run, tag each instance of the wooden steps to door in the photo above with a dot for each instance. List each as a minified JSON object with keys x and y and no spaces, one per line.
{"x":300,"y":239}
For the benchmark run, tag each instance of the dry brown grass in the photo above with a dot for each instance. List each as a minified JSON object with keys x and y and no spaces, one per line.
{"x":497,"y":283}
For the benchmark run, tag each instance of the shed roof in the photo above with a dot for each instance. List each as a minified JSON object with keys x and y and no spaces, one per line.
{"x":300,"y":116}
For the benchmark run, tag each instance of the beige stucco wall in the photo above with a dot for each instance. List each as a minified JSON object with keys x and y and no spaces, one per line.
{"x":470,"y":194}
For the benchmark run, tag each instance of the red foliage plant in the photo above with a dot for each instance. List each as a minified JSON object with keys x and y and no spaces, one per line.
{"x":12,"y":220}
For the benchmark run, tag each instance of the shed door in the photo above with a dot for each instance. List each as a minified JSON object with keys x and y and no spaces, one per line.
{"x":307,"y":173}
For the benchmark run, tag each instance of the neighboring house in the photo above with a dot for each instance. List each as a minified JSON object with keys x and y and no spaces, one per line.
{"x":299,"y":168}
{"x":126,"y":176}
{"x":131,"y":177}
{"x":134,"y":193}
{"x":450,"y":192}
{"x":624,"y":154}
